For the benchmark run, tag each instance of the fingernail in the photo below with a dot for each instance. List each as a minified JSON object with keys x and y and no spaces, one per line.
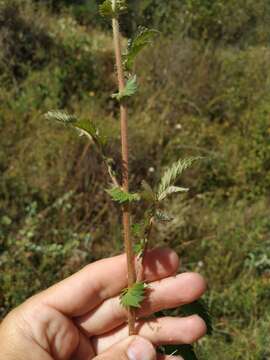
{"x":141,"y":349}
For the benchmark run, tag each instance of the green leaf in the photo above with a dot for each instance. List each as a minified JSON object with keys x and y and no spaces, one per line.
{"x":200,"y":308}
{"x":129,"y":90}
{"x":106,"y":8}
{"x":172,"y":174}
{"x":171,"y":190}
{"x":133,"y":296}
{"x":131,"y":87}
{"x":85,"y":127}
{"x":120,"y":196}
{"x":142,"y":38}
{"x":61,"y":116}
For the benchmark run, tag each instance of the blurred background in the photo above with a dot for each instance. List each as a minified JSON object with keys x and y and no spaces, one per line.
{"x":204,"y":90}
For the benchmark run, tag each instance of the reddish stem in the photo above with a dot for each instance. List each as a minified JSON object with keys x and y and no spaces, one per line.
{"x":125,"y":171}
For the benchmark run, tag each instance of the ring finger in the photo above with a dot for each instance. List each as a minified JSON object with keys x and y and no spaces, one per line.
{"x":160,"y":331}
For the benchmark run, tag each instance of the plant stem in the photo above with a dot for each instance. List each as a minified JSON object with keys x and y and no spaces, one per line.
{"x":125,"y":172}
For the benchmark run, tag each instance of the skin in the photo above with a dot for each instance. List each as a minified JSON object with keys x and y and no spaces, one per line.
{"x":81,"y":318}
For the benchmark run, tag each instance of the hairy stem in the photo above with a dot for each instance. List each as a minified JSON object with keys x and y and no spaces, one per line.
{"x":125,"y":172}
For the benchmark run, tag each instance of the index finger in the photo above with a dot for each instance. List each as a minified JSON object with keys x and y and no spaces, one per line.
{"x":103,"y":279}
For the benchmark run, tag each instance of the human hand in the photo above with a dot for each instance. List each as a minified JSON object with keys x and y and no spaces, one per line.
{"x":81,"y":317}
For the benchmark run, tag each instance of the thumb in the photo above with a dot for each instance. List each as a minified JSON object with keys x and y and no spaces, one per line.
{"x":132,"y":348}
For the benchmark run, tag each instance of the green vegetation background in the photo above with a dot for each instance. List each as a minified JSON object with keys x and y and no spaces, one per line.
{"x":204,"y":89}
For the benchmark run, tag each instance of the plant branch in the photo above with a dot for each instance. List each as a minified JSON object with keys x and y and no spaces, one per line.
{"x":125,"y":172}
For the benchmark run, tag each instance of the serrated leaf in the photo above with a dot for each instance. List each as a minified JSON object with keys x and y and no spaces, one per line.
{"x":162,"y":216}
{"x":171,"y":190}
{"x":129,"y":90}
{"x":131,"y":87}
{"x":172,"y":174}
{"x":142,"y":38}
{"x":120,"y":196}
{"x":85,"y":127}
{"x":133,"y":296}
{"x":61,"y":116}
{"x":106,"y":9}
{"x":200,"y":308}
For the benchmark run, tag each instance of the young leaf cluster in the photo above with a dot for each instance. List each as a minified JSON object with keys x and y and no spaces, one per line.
{"x":133,"y":296}
{"x":108,"y":10}
{"x":120,"y":196}
{"x":154,"y":199}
